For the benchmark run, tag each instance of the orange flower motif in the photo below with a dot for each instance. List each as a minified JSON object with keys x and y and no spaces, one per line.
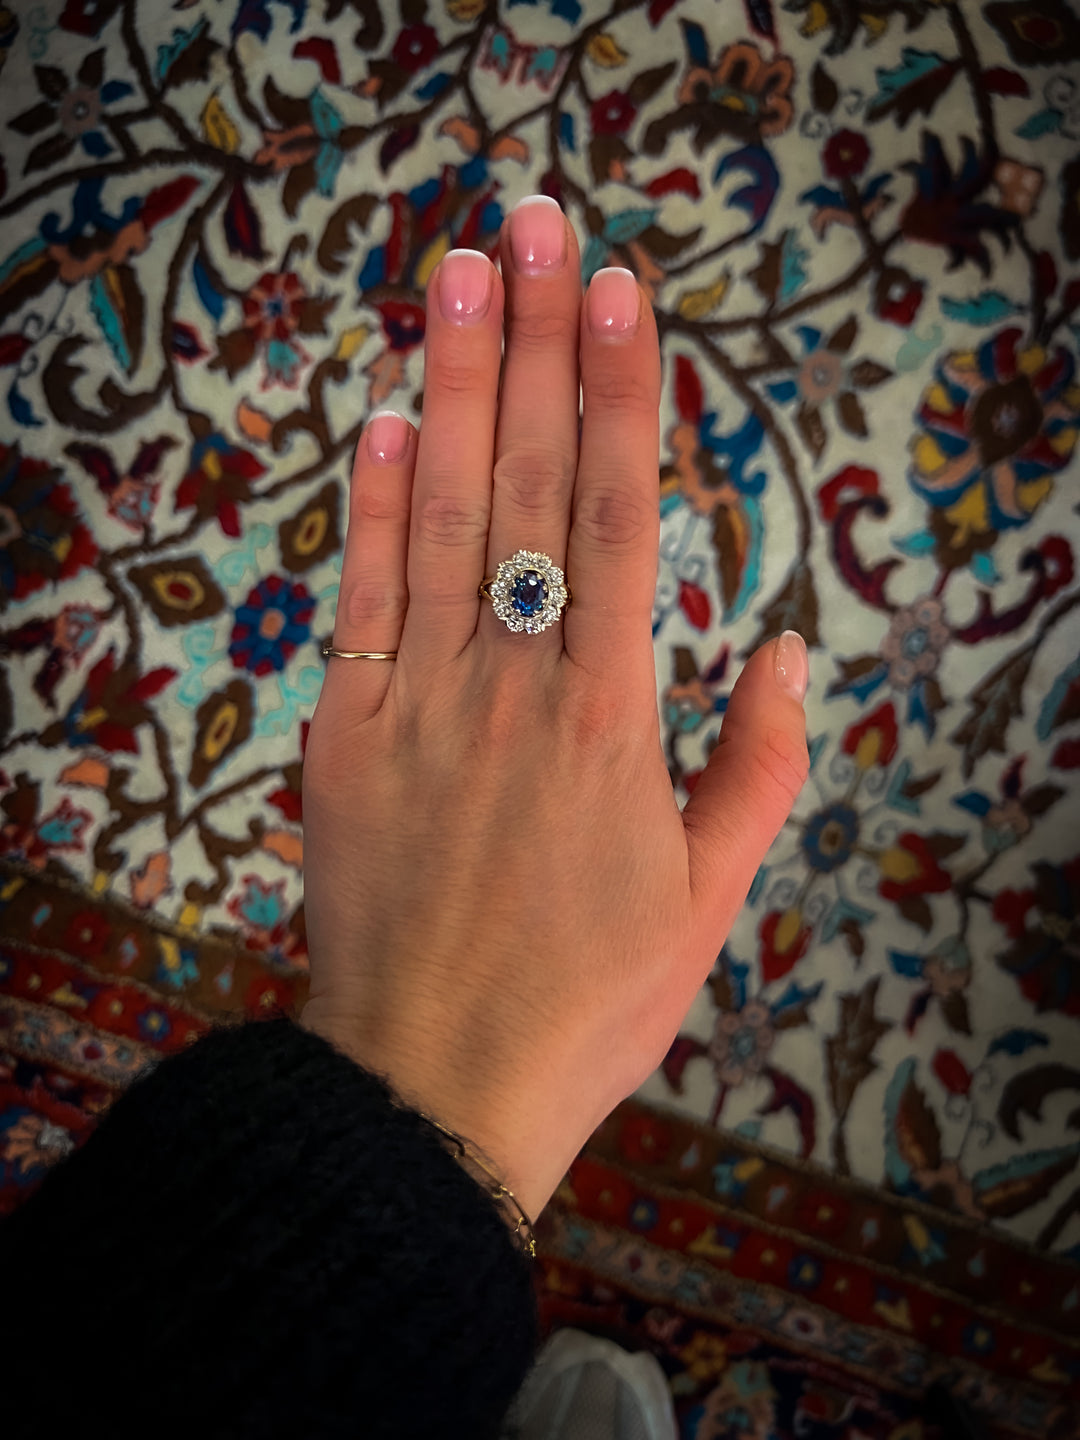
{"x":754,"y":90}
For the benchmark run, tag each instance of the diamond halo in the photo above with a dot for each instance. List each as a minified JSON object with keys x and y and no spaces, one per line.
{"x":527,"y":591}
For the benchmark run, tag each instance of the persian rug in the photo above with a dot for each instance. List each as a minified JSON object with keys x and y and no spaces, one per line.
{"x":854,"y":1181}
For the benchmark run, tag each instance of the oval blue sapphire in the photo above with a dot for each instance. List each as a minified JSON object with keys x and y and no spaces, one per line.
{"x":529,"y":594}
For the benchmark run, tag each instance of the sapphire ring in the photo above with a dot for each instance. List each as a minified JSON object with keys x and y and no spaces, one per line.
{"x":528,"y":591}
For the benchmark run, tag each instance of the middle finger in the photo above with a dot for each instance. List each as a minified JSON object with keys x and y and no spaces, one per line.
{"x":536,"y":443}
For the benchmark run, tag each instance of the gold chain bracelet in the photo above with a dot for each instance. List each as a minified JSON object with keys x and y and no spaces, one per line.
{"x":520,"y":1224}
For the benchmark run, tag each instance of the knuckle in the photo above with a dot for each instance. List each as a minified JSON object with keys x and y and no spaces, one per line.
{"x":783,"y":761}
{"x":453,"y":382}
{"x":621,"y":388}
{"x":612,"y":517}
{"x":542,"y":327}
{"x":369,"y":503}
{"x":533,"y":476}
{"x":592,"y":713}
{"x":447,"y":520}
{"x":373,"y":599}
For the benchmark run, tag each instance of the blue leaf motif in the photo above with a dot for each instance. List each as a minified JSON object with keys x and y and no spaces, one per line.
{"x":697,"y":47}
{"x":20,"y":408}
{"x":919,"y":542}
{"x":983,"y":568}
{"x":435,"y":86}
{"x":757,"y":197}
{"x":627,"y":225}
{"x":824,"y":197}
{"x":1022,"y":1167}
{"x":213,"y":301}
{"x":593,"y":259}
{"x":566,"y":132}
{"x":795,"y":996}
{"x":1054,"y":698}
{"x":910,"y":966}
{"x":1018,"y":1042}
{"x":896,"y":1167}
{"x":987,"y":309}
{"x":896,"y":797}
{"x":327,"y":164}
{"x":792,"y":266}
{"x":324,"y":117}
{"x":973,"y":801}
{"x":1043,"y":122}
{"x":841,"y":911}
{"x":104,"y":312}
{"x":914,"y":64}
{"x":738,"y":975}
{"x":114,"y":90}
{"x":167,"y":55}
{"x":95,"y":144}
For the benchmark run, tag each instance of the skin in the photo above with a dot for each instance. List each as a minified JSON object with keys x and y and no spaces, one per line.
{"x":508,"y":915}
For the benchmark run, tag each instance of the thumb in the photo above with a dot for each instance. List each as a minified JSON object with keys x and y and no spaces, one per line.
{"x":751,"y":781}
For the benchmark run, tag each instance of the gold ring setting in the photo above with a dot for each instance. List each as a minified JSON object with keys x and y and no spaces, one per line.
{"x":528,"y":591}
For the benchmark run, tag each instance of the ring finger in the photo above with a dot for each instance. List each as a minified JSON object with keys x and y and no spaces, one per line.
{"x":373,"y":596}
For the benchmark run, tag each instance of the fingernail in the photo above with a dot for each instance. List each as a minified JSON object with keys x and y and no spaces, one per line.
{"x":387,"y":436}
{"x":792,"y":664}
{"x":612,"y":304}
{"x":465,"y":280}
{"x":537,"y":235}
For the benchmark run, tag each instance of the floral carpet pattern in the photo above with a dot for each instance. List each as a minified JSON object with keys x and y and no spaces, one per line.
{"x":858,"y":222}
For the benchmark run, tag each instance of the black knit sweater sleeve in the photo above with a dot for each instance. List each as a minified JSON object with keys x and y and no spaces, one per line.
{"x":258,"y":1242}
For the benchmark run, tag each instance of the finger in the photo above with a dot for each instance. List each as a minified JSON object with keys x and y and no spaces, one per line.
{"x":373,"y":596}
{"x":451,"y":508}
{"x":537,"y":437}
{"x":615,"y":530}
{"x":751,"y":781}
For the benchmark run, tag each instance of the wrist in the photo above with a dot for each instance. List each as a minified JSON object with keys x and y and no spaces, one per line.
{"x":506,"y":1142}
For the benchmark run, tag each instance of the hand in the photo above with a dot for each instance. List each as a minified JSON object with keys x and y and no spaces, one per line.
{"x":508,"y":915}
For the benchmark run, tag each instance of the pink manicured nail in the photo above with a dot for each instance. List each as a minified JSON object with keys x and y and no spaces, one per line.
{"x":465,"y":280}
{"x":792,"y":664}
{"x":612,"y":304}
{"x":387,"y":437}
{"x":537,"y":235}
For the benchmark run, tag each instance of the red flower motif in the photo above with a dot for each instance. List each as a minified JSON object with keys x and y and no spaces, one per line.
{"x":846,"y":154}
{"x":111,"y":707}
{"x":42,"y":537}
{"x":952,"y":1072}
{"x":778,"y":959}
{"x":267,"y":996}
{"x":1011,"y":908}
{"x":403,"y":324}
{"x":873,"y":740}
{"x":1044,"y":957}
{"x":644,"y":1139}
{"x":273,"y":306}
{"x":87,"y":934}
{"x":612,"y":114}
{"x":924,"y":877}
{"x":218,"y":480}
{"x":897,"y":296}
{"x":116,"y":1009}
{"x":415,"y":47}
{"x":824,"y":1213}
